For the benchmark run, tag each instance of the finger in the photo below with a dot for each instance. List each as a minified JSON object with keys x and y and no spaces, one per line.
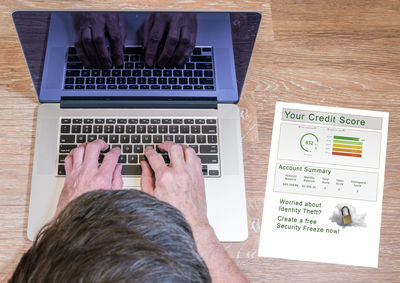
{"x":116,"y":42}
{"x":191,"y":157}
{"x":99,"y":41}
{"x":147,"y":181}
{"x":170,"y":44}
{"x":175,"y":152}
{"x":155,"y":159}
{"x":92,"y":152}
{"x":117,"y":181}
{"x":81,"y":52}
{"x":68,"y":164}
{"x":77,"y":155}
{"x":185,"y":47}
{"x":109,"y":162}
{"x":156,"y":34}
{"x":148,"y":23}
{"x":89,"y":47}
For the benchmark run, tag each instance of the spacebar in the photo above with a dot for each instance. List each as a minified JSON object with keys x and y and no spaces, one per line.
{"x":131,"y":170}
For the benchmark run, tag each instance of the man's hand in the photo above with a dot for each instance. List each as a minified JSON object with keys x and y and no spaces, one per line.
{"x":179,"y":31}
{"x":91,"y":29}
{"x":83,"y":173}
{"x":181,"y":184}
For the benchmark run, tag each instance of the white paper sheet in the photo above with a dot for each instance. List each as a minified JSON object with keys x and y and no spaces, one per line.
{"x":323,"y":159}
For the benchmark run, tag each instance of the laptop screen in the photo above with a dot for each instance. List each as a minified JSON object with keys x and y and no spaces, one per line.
{"x":129,"y":54}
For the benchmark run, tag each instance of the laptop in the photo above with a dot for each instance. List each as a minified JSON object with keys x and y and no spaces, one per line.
{"x":135,"y":105}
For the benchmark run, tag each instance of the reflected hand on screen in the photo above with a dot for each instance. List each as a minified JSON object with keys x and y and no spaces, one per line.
{"x":91,"y":29}
{"x":175,"y":31}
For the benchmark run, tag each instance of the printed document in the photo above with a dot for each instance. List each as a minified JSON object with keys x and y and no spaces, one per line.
{"x":323,"y":198}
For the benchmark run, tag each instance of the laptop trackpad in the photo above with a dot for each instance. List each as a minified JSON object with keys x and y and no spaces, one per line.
{"x":230,"y":146}
{"x":224,"y":68}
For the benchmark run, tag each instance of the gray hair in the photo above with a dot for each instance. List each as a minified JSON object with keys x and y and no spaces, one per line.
{"x":114,"y":236}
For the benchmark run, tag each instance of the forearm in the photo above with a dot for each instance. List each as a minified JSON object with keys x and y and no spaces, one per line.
{"x":220,"y":265}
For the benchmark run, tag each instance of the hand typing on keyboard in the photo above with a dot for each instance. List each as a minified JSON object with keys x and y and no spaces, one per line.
{"x":83,"y":173}
{"x":90,"y":42}
{"x":175,"y":31}
{"x":180,"y":184}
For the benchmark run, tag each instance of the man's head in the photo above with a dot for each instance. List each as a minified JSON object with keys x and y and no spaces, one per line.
{"x":114,"y":236}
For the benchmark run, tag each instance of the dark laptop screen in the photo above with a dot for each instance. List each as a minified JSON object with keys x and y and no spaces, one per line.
{"x":163,"y":41}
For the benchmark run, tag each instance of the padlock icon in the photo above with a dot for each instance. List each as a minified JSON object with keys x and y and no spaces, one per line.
{"x":346,"y":217}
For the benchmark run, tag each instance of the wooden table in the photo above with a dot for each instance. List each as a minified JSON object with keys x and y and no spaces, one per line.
{"x":334,"y":53}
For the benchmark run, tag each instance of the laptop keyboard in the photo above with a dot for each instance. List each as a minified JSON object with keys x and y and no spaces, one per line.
{"x":132,"y":135}
{"x":197,"y":74}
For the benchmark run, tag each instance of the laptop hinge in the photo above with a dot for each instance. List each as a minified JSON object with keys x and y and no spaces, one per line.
{"x":139,"y":102}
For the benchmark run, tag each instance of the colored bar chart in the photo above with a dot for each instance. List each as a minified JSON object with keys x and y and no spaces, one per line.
{"x":347,"y":146}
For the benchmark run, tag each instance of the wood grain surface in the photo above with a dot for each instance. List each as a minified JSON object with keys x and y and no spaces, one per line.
{"x":334,"y":53}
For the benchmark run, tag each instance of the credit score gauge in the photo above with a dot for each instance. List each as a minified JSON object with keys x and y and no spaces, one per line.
{"x":309,"y":142}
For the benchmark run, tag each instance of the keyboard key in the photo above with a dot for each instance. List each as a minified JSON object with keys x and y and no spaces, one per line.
{"x":122,"y":87}
{"x":157,"y":138}
{"x":65,"y":121}
{"x":209,"y":129}
{"x":85,"y":73}
{"x":87,"y":129}
{"x":208,"y":73}
{"x":177,"y":73}
{"x":195,"y":129}
{"x":133,"y":121}
{"x":188,"y":73}
{"x":206,"y":49}
{"x":112,"y":87}
{"x":133,"y":87}
{"x":92,"y":138}
{"x":193,"y":81}
{"x":168,"y":137}
{"x":144,"y":87}
{"x":98,"y":129}
{"x":80,"y":138}
{"x":68,"y":87}
{"x":135,"y":139}
{"x":116,"y":73}
{"x":122,"y":121}
{"x":179,"y":139}
{"x":157,"y":73}
{"x":138,"y":148}
{"x":198,"y":73}
{"x":146,"y":139}
{"x":173,"y":129}
{"x":71,"y":50}
{"x":166,"y":121}
{"x":133,"y":50}
{"x":88,"y":121}
{"x":69,"y":80}
{"x":90,"y":86}
{"x":213,"y":172}
{"x":155,"y":87}
{"x":187,"y":87}
{"x":165,"y":87}
{"x":184,"y":129}
{"x":172,"y":81}
{"x":124,"y":139}
{"x":77,"y":121}
{"x":211,"y":121}
{"x":105,"y":73}
{"x":131,"y":170}
{"x":204,"y":170}
{"x":131,"y":80}
{"x":121,"y":81}
{"x":203,"y":66}
{"x":152,"y":129}
{"x":127,"y":148}
{"x":188,"y":121}
{"x":206,"y":81}
{"x":183,"y":81}
{"x":79,"y":87}
{"x":95,"y":73}
{"x":76,"y":129}
{"x":108,"y":129}
{"x":190,"y":139}
{"x":110,"y":121}
{"x":110,"y":80}
{"x":101,"y":86}
{"x":147,"y":73}
{"x":114,"y":139}
{"x":155,"y":121}
{"x":119,"y":129}
{"x":136,"y":73}
{"x":66,"y":148}
{"x":162,"y":129}
{"x":90,"y":81}
{"x":167,"y":73}
{"x":208,"y":87}
{"x":208,"y":148}
{"x":74,"y":65}
{"x":200,"y":59}
{"x":65,"y":129}
{"x":201,"y":139}
{"x":61,"y":170}
{"x":141,"y":129}
{"x":67,"y":139}
{"x":200,"y":121}
{"x":122,"y":158}
{"x":190,"y":66}
{"x":130,"y":129}
{"x":196,"y":51}
{"x":132,"y":158}
{"x":212,"y":139}
{"x":176,"y":87}
{"x":208,"y":159}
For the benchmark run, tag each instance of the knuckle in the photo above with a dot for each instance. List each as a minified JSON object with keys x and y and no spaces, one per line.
{"x":115,"y":37}
{"x":173,"y":39}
